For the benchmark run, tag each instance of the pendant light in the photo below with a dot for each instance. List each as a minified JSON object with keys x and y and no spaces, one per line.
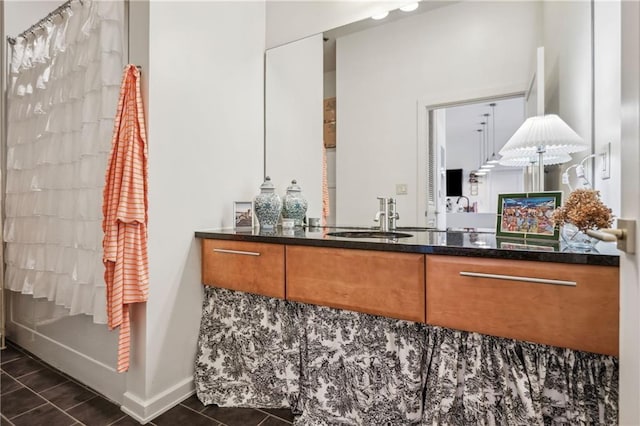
{"x":480,"y":171}
{"x":494,"y":158}
{"x":485,"y":144}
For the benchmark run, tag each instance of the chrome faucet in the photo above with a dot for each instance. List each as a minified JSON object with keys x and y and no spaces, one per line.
{"x":387,"y":214}
{"x":382,"y":215}
{"x":466,"y":209}
{"x":392,"y":214}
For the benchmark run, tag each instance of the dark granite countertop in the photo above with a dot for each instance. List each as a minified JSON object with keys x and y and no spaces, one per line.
{"x":468,"y":242}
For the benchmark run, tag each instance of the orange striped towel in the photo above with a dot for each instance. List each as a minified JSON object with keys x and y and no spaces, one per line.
{"x":124,"y":212}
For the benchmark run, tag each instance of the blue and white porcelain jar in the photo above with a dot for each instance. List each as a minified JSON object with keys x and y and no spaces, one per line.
{"x":268,"y":205}
{"x":294,"y":205}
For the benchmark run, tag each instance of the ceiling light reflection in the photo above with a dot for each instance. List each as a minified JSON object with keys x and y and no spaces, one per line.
{"x":380,"y":15}
{"x":409,"y":7}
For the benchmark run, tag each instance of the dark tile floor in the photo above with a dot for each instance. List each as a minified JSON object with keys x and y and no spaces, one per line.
{"x":33,"y":394}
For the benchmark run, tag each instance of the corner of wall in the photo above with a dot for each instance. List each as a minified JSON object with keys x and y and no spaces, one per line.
{"x":144,"y":410}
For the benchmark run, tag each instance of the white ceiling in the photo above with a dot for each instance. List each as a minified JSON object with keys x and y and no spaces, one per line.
{"x":394,"y":15}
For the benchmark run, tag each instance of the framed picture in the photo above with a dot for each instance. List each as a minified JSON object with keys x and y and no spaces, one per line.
{"x":508,"y":244}
{"x":528,"y":215}
{"x":243,"y":215}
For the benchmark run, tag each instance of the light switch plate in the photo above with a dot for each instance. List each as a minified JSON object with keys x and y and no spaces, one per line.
{"x":401,"y":189}
{"x":604,"y":162}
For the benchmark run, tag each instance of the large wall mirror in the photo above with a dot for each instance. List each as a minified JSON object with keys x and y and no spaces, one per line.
{"x":397,"y":84}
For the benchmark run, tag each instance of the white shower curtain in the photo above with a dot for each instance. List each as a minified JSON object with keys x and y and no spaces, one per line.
{"x":62,"y":97}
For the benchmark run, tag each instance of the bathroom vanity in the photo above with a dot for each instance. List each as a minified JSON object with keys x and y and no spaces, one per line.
{"x":436,"y":328}
{"x":536,"y":293}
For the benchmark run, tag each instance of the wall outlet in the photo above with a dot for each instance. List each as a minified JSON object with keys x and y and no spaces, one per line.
{"x":604,"y":162}
{"x":401,"y":189}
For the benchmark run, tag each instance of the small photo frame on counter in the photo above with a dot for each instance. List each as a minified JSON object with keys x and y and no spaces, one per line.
{"x":510,"y":244}
{"x":528,"y":215}
{"x":243,"y":215}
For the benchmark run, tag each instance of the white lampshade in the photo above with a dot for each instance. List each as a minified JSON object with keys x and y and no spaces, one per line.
{"x":546,"y":134}
{"x":516,"y":160}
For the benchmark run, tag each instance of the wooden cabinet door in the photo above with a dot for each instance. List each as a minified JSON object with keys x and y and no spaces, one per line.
{"x":244,"y":266}
{"x":373,"y":282}
{"x":573,"y":306}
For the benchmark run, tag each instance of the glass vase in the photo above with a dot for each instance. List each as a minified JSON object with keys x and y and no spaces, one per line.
{"x":576,"y":239}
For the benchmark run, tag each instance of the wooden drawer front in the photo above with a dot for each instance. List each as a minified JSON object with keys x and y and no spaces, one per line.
{"x":582,"y":317}
{"x":252,"y":267}
{"x":373,"y":282}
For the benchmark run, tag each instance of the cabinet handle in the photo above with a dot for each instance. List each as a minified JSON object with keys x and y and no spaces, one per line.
{"x":246,"y":253}
{"x":515,"y":278}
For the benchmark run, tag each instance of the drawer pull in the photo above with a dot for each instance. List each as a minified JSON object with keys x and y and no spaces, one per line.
{"x":245,"y":253}
{"x":515,"y":278}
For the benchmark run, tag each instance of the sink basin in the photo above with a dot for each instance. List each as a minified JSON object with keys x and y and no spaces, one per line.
{"x":369,"y":234}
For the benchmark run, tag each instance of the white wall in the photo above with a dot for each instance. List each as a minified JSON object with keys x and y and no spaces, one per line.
{"x":293,"y":132}
{"x":607,"y":64}
{"x":205,"y":151}
{"x":21,"y":14}
{"x":382,"y":72}
{"x":568,"y":76}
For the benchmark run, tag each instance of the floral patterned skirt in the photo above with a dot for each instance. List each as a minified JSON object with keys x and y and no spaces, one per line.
{"x":335,"y":367}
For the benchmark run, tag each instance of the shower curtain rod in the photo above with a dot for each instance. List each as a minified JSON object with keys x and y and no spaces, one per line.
{"x":57,"y":11}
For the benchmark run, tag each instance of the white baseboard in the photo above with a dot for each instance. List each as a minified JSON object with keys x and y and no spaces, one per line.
{"x":146,"y":410}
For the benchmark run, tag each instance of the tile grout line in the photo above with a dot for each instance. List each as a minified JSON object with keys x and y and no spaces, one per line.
{"x":11,"y":360}
{"x":204,"y":415}
{"x":274,"y":415}
{"x":30,"y":410}
{"x":21,"y":386}
{"x":118,"y":419}
{"x":53,"y":369}
{"x":6,"y":419}
{"x":186,"y":406}
{"x":54,"y":386}
{"x":266,"y":418}
{"x":26,"y":374}
{"x":34,"y":357}
{"x":43,"y":390}
{"x":64,"y":375}
{"x":80,"y":403}
{"x":47,"y":401}
{"x":54,"y":405}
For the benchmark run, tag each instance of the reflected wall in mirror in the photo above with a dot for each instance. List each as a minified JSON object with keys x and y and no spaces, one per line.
{"x":474,"y":134}
{"x":389,"y":77}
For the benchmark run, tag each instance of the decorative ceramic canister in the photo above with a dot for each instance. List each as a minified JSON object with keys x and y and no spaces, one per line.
{"x":268,"y":205}
{"x":294,"y":205}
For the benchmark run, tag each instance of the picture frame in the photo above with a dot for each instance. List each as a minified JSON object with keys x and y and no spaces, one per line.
{"x":527,"y":215}
{"x":243,"y":216}
{"x":540,"y":245}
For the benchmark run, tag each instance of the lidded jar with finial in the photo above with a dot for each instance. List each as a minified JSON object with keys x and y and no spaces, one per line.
{"x":268,"y":205}
{"x":294,"y":205}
